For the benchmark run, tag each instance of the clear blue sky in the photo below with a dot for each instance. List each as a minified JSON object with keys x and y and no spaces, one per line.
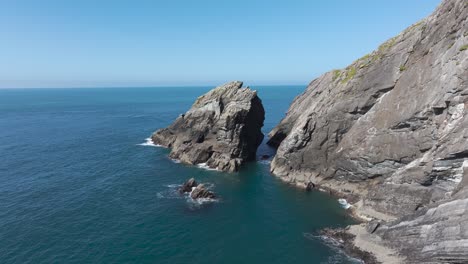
{"x":47,"y":43}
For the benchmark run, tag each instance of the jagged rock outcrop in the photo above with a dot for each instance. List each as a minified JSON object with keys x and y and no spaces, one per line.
{"x":188,"y":186}
{"x":391,"y":130}
{"x":222,"y":129}
{"x":197,"y":191}
{"x":201,"y":192}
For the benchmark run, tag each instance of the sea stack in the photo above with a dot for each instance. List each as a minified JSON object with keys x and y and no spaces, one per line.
{"x":391,"y":130}
{"x":221,"y":130}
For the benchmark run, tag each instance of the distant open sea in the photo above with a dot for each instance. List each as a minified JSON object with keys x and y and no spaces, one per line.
{"x":78,"y":184}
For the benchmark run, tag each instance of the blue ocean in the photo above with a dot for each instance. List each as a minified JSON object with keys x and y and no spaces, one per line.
{"x":80,"y":184}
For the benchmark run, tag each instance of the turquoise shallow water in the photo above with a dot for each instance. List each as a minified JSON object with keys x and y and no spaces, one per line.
{"x":77,"y":186}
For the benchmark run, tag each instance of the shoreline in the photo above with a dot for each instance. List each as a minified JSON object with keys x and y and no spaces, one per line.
{"x":358,"y":243}
{"x":355,"y":240}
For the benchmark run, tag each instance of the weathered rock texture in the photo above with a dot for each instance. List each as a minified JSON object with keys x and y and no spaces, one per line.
{"x":197,"y":191}
{"x":188,"y":186}
{"x":391,"y":129}
{"x":438,"y":234}
{"x":200,"y":192}
{"x":221,"y":130}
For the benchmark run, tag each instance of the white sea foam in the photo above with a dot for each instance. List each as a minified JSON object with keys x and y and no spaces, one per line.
{"x":170,"y":193}
{"x":344,"y":203}
{"x":267,"y":162}
{"x":201,"y":201}
{"x":336,"y":245}
{"x":326,"y":239}
{"x":205,"y":166}
{"x":175,"y":160}
{"x":173,"y":193}
{"x":149,"y":142}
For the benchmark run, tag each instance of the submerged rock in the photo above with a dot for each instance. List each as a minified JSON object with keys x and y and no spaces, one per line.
{"x":201,"y":192}
{"x":391,"y":129}
{"x":222,"y":129}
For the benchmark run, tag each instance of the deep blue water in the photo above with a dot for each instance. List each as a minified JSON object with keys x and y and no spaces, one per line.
{"x":76,"y":186}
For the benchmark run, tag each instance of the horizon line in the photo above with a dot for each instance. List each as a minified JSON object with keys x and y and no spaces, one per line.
{"x":145,"y":86}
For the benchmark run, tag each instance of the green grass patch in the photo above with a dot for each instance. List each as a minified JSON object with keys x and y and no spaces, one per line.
{"x":365,"y":57}
{"x":402,"y":68}
{"x":336,"y":74}
{"x":387,"y":45}
{"x":421,"y":25}
{"x":464,"y":47}
{"x":350,"y":73}
{"x":365,"y":61}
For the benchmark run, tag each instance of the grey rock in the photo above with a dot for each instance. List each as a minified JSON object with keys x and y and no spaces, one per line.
{"x":310,"y":186}
{"x":201,"y":192}
{"x":436,"y":235}
{"x":391,"y":128}
{"x":372,"y":226}
{"x":222,"y":129}
{"x":188,"y":186}
{"x":342,"y":239}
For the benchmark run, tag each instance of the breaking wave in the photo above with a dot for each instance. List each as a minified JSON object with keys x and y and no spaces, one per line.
{"x":205,"y":166}
{"x":344,"y":203}
{"x":172,"y":192}
{"x":149,"y":142}
{"x":267,"y":162}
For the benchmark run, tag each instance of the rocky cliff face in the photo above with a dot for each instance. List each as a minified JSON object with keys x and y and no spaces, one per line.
{"x":221,"y":130}
{"x":390,"y":130}
{"x":438,"y":234}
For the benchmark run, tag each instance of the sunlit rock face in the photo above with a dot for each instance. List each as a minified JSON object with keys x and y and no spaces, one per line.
{"x":391,"y":130}
{"x":222,"y":129}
